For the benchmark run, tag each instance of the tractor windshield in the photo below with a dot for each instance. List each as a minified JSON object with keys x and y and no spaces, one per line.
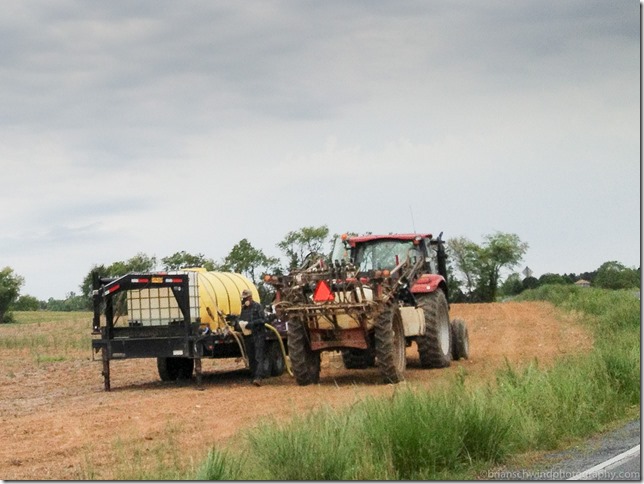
{"x":384,"y":254}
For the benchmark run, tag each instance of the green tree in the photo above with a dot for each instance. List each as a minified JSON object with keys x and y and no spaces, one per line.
{"x":86,"y":285}
{"x":464,"y":254}
{"x":482,"y":264}
{"x":297,"y":244}
{"x":454,"y":290}
{"x":75,"y":302}
{"x":55,"y":304}
{"x":183,"y":259}
{"x":614,"y":275}
{"x":72,"y":302}
{"x":247,"y":260}
{"x":10,"y":284}
{"x":586,"y":276}
{"x":512,"y":285}
{"x":139,"y":263}
{"x":550,"y":278}
{"x":26,"y":303}
{"x":530,"y":283}
{"x":500,"y":251}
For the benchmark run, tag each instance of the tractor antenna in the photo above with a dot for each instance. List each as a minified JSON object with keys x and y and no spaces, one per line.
{"x":413,"y":225}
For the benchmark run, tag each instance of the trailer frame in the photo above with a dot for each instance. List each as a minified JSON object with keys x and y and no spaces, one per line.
{"x":185,"y":337}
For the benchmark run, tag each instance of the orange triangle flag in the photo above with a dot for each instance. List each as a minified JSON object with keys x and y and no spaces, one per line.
{"x":323,"y":292}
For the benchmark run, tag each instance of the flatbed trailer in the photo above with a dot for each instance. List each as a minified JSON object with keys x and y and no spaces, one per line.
{"x":177,"y":335}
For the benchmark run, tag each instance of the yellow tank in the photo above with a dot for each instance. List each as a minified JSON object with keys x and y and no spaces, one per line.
{"x":220,"y":291}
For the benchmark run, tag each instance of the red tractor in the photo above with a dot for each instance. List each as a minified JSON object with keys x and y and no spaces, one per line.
{"x":371,"y":299}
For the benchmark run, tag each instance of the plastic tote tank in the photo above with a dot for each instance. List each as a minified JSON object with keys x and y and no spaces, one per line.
{"x":209,"y":292}
{"x":220,"y":291}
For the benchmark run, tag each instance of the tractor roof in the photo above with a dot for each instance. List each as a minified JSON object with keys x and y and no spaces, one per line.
{"x":368,"y":238}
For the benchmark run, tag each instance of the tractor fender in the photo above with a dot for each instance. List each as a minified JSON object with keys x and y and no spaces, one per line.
{"x":428,"y":283}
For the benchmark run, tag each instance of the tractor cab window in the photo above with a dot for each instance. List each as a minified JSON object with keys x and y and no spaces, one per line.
{"x":340,"y":252}
{"x":431,"y":261}
{"x":432,"y":257}
{"x":385,"y":254}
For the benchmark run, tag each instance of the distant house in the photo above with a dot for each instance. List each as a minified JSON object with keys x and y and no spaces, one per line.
{"x":582,"y":283}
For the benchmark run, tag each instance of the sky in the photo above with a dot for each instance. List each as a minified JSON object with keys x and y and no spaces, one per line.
{"x":160,"y":126}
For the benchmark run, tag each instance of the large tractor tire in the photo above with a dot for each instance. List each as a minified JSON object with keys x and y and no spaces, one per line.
{"x":435,"y":346}
{"x":390,"y":344}
{"x":460,"y":340}
{"x":175,"y":368}
{"x":355,"y":359}
{"x":305,"y":362}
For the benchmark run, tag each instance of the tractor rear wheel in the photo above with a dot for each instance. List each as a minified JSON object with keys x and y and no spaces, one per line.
{"x":305,"y":362}
{"x":435,"y":346}
{"x":460,"y":340}
{"x":175,"y":368}
{"x":355,"y":359}
{"x":390,"y":344}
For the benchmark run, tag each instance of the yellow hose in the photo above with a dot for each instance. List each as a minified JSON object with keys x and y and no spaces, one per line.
{"x":242,"y":348}
{"x":287,"y":360}
{"x":240,"y":343}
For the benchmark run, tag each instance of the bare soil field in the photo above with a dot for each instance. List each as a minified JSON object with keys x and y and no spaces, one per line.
{"x":57,"y":422}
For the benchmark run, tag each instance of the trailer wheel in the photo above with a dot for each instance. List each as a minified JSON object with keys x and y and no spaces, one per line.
{"x":274,"y":362}
{"x":175,"y":368}
{"x":435,"y":346}
{"x":305,"y":362}
{"x":278,"y":365}
{"x":460,"y":340}
{"x":355,"y":359}
{"x":390,"y":345}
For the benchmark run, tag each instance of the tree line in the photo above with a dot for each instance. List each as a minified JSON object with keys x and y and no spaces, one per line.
{"x":475,"y":271}
{"x":610,"y":275}
{"x":243,"y":258}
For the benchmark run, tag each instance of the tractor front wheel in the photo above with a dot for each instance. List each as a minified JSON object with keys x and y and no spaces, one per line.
{"x":305,"y":362}
{"x":390,"y":345}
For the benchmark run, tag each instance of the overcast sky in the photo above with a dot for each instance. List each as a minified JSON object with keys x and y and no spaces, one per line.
{"x":161,"y":126}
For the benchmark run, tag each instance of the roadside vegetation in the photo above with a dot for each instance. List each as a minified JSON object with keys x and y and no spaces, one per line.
{"x":461,"y":431}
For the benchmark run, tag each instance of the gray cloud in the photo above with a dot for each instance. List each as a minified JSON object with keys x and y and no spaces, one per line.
{"x":123,"y":121}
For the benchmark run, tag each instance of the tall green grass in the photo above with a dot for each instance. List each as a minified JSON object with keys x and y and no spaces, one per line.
{"x":48,"y":336}
{"x":220,"y":466}
{"x":315,"y":438}
{"x":424,"y":436}
{"x":614,"y":317}
{"x":40,"y":317}
{"x":458,"y":432}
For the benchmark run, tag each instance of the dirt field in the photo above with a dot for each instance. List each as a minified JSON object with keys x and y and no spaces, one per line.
{"x":57,"y":423}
